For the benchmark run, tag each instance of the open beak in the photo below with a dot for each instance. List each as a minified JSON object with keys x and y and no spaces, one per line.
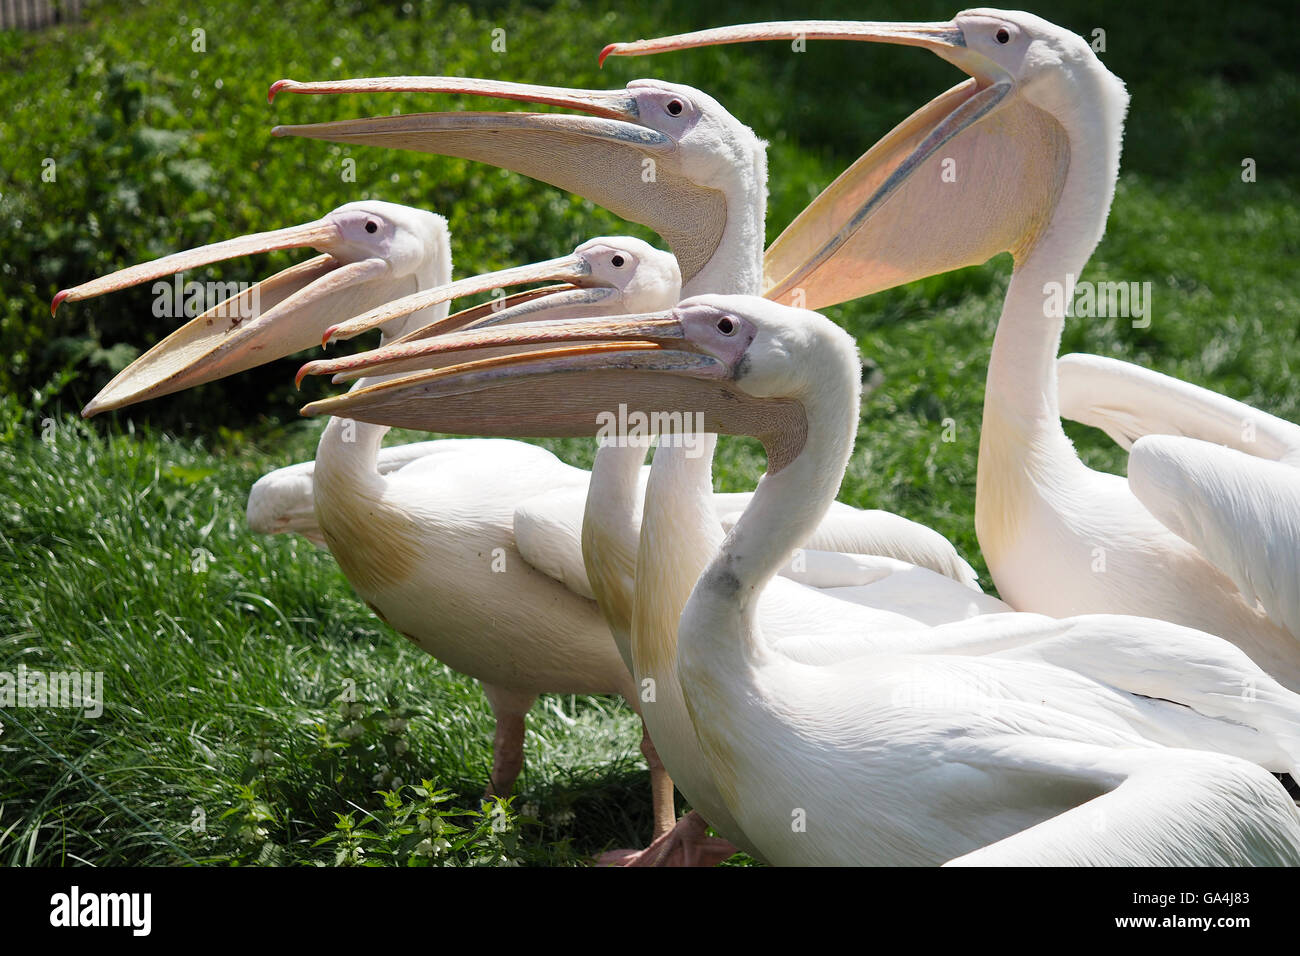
{"x":559,"y":378}
{"x":283,"y":314}
{"x":599,"y":154}
{"x":973,"y":173}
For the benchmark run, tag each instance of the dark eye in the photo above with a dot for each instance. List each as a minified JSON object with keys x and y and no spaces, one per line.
{"x":1002,"y":36}
{"x":617,"y":262}
{"x":675,"y":107}
{"x":726,"y":325}
{"x":372,"y":226}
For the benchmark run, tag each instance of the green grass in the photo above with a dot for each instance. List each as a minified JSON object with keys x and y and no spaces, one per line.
{"x":128,"y":554}
{"x":99,"y":525}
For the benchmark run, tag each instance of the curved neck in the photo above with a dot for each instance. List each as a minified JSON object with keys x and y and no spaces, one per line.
{"x":787,"y":506}
{"x":1022,"y":366}
{"x":736,"y":267}
{"x":789,"y":503}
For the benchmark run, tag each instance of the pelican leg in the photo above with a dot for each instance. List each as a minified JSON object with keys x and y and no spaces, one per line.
{"x":509,"y":707}
{"x":661,"y":787}
{"x":686,"y":844}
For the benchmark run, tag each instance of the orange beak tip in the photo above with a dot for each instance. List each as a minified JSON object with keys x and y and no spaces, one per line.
{"x":58,"y":298}
{"x":611,"y":48}
{"x":276,"y":87}
{"x":302,"y":373}
{"x":329,"y":334}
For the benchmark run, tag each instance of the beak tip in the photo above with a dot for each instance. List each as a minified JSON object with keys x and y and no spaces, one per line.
{"x":276,"y":87}
{"x":612,"y":48}
{"x":58,"y":299}
{"x":329,"y":334}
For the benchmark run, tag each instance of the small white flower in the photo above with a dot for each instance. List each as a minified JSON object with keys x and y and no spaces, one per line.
{"x":432,"y":847}
{"x":351,"y":732}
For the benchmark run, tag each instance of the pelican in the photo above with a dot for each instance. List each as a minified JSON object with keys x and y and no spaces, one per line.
{"x":1004,"y":738}
{"x":432,"y":536}
{"x":1197,"y":535}
{"x":707,"y":199}
{"x":911,"y":596}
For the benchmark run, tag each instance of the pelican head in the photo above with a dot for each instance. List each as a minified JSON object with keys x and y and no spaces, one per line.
{"x":372,"y":252}
{"x":605,"y":276}
{"x":660,"y":154}
{"x":975,"y":172}
{"x":743,"y":365}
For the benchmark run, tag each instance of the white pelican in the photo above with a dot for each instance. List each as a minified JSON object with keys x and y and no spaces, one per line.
{"x":912,"y":595}
{"x":429,"y":535}
{"x":1008,"y":738}
{"x":1197,"y":535}
{"x":707,"y":198}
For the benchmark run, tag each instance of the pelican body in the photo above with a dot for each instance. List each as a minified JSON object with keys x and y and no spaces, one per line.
{"x":429,"y":534}
{"x":999,"y":738}
{"x":1195,"y":535}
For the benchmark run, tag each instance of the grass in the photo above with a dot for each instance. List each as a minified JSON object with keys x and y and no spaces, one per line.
{"x":123,"y":549}
{"x":127,"y":553}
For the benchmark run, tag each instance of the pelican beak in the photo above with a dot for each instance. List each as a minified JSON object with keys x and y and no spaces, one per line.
{"x":420,"y":349}
{"x":599,"y":151}
{"x":268,"y":320}
{"x":570,"y":269}
{"x":973,"y":173}
{"x":565,"y":378}
{"x":557,"y":379}
{"x":936,"y":37}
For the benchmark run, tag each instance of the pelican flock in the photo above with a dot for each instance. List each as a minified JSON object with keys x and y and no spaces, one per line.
{"x":824,"y":685}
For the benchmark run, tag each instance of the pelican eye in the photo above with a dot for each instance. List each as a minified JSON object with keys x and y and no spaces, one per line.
{"x":1003,"y":35}
{"x":372,"y":226}
{"x":675,"y":107}
{"x":727,"y":325}
{"x":617,"y":262}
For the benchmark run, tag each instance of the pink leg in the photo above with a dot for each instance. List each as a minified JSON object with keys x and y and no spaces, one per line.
{"x":508,"y":741}
{"x":686,"y":844}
